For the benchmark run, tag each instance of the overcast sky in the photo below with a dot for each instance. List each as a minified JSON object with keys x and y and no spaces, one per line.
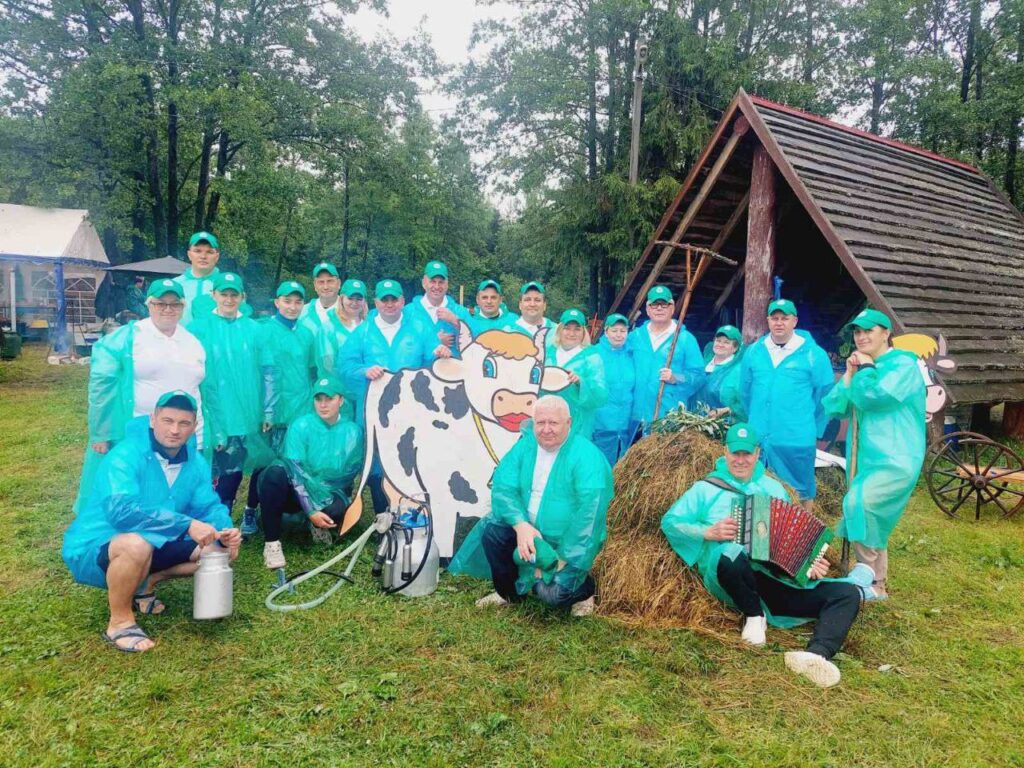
{"x":449,"y":24}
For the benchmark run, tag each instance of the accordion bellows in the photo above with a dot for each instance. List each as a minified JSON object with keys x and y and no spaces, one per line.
{"x":780,"y":533}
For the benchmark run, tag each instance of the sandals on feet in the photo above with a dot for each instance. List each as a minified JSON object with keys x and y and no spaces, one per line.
{"x":148,"y":604}
{"x":133,"y":632}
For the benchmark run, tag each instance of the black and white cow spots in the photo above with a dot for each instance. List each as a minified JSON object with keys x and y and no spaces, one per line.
{"x":438,"y":424}
{"x":407,"y":451}
{"x":456,"y":404}
{"x":389,"y":398}
{"x":461,"y":489}
{"x":421,"y":391}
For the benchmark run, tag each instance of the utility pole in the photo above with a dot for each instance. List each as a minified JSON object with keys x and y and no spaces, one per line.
{"x":639,"y":72}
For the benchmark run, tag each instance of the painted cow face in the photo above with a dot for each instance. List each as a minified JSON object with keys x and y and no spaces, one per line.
{"x":503,"y":372}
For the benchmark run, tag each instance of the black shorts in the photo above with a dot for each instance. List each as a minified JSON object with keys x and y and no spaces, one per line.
{"x":170,"y":554}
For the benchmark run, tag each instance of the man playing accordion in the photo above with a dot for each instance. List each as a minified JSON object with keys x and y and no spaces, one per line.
{"x":701,"y":529}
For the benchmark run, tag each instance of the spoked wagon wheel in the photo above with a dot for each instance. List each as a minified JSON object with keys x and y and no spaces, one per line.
{"x":968,"y":474}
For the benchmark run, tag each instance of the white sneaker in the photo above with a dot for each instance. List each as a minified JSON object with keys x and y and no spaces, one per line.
{"x":754,"y":629}
{"x":583,"y":607}
{"x":273,"y":556}
{"x":819,"y":670}
{"x":492,"y":599}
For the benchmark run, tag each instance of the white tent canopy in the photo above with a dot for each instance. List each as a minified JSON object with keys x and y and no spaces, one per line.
{"x":64,"y":234}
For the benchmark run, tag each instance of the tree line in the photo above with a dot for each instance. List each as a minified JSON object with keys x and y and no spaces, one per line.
{"x":272,"y":123}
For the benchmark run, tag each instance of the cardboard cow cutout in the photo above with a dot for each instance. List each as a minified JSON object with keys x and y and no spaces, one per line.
{"x":932,"y":359}
{"x":439,"y":432}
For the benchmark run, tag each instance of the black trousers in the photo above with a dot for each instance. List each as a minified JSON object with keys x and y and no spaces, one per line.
{"x":277,"y":498}
{"x":834,"y":604}
{"x":499,"y":542}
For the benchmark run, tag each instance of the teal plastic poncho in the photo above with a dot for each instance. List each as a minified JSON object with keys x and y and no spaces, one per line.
{"x":512,"y":325}
{"x":687,"y":366}
{"x":704,"y":505}
{"x":478,"y":323}
{"x":412,"y":347}
{"x":291,"y":358}
{"x":889,"y":401}
{"x":722,"y":386}
{"x":784,"y":406}
{"x":330,"y":338}
{"x":330,"y":457}
{"x":198,"y":296}
{"x":572,"y":511}
{"x":614,"y":426}
{"x":233,"y":393}
{"x":416,"y":312}
{"x":131,"y":495}
{"x":586,"y":396}
{"x":310,"y":318}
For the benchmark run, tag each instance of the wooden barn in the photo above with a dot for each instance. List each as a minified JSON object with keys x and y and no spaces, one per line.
{"x":845,"y":218}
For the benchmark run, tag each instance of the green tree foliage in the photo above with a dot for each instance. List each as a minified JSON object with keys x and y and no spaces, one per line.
{"x":270,"y":123}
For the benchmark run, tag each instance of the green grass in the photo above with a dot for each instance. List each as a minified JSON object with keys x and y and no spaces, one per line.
{"x":372,"y":680}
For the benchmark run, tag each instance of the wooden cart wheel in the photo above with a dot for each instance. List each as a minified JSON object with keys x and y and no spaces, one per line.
{"x":969,"y":474}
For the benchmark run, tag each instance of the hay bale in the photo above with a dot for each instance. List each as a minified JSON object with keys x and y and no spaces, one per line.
{"x":831,"y":482}
{"x":642,"y":581}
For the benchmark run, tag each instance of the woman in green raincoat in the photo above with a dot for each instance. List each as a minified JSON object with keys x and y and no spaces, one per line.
{"x":343,"y":318}
{"x":233,"y":392}
{"x":701,"y":530}
{"x":884,"y":392}
{"x":571,"y":349}
{"x":721,"y":390}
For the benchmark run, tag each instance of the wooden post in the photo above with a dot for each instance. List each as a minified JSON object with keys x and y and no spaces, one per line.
{"x":760,"y":264}
{"x":1013,"y":420}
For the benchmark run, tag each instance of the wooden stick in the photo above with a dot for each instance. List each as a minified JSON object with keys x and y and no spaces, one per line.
{"x":851,"y":472}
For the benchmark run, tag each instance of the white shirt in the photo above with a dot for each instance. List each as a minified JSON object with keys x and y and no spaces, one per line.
{"x":710,"y":367}
{"x":163,"y":363}
{"x":431,"y":309}
{"x":779,"y":353}
{"x":541,"y":472}
{"x":389,"y":330}
{"x":324,"y":312}
{"x":171,"y":471}
{"x":522,"y":323}
{"x":563,"y":356}
{"x":659,"y":339}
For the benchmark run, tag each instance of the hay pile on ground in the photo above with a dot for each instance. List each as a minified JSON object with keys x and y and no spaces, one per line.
{"x":641,"y":579}
{"x":828,"y":504}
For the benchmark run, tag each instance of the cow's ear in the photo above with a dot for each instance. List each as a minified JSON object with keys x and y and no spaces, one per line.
{"x":943,"y":347}
{"x":555,"y":379}
{"x":465,"y":336}
{"x":448,"y":369}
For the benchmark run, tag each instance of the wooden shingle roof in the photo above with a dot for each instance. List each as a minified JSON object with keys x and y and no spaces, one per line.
{"x":927,"y":239}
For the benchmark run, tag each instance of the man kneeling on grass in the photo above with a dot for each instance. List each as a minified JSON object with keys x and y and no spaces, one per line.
{"x":547,"y":520}
{"x":701,"y":530}
{"x":151,"y":510}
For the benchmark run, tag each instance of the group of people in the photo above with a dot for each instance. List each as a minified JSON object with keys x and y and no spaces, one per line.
{"x":187,"y":401}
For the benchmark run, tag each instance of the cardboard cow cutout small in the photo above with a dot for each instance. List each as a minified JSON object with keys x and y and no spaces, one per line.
{"x":439,"y":432}
{"x":932,"y":358}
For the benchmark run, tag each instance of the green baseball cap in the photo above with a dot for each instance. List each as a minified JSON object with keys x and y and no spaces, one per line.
{"x":353,"y":287}
{"x":615,"y":319}
{"x":177,"y":398}
{"x":228,"y":281}
{"x":387,"y":289}
{"x":730,"y":332}
{"x":659,"y":293}
{"x":435,"y":269}
{"x":162,"y":287}
{"x":869,"y":318}
{"x":324,"y":266}
{"x":785,"y":306}
{"x":572,"y":316}
{"x":489,"y":284}
{"x":741,"y":437}
{"x":200,"y":237}
{"x":289,"y":287}
{"x":533,"y":285}
{"x":328,"y":385}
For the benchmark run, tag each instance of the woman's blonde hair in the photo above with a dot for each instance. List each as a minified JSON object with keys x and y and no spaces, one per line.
{"x":586,"y":336}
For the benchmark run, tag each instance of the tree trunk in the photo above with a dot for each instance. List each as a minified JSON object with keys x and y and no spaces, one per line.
{"x":149,"y":135}
{"x":366,"y":243}
{"x":345,"y":219}
{"x":284,"y":246}
{"x":222,"y":164}
{"x":970,"y":51}
{"x":203,"y":185}
{"x":877,"y":97}
{"x":808,"y":68}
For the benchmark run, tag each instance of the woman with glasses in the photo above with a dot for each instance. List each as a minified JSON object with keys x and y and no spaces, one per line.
{"x":133,"y":366}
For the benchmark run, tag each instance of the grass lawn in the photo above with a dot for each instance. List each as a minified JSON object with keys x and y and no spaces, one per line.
{"x":372,"y":680}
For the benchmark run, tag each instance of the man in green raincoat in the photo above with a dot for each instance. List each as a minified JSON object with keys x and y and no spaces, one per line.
{"x":197,"y":280}
{"x":884,"y":393}
{"x":553,"y":486}
{"x":233,"y":394}
{"x":702,"y":531}
{"x":289,"y":356}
